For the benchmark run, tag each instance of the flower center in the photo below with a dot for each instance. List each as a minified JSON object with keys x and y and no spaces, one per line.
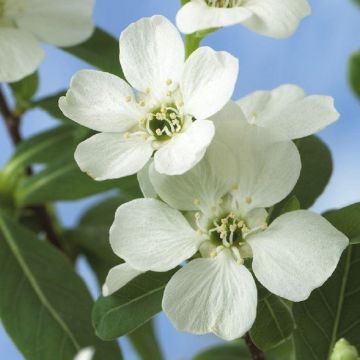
{"x":224,"y":3}
{"x":163,"y":122}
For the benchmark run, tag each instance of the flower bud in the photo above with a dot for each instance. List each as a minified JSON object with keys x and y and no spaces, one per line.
{"x":343,"y":350}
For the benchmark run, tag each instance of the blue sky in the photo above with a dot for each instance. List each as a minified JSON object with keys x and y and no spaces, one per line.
{"x":314,"y":58}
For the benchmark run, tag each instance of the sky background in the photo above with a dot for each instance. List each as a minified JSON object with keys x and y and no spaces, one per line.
{"x":315,"y":58}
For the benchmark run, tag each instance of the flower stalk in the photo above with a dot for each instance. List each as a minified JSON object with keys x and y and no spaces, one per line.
{"x":256,"y":353}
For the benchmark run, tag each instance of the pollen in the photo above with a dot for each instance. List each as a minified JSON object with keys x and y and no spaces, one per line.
{"x":196,"y":202}
{"x":248,"y":200}
{"x":128,"y":98}
{"x":169,"y":82}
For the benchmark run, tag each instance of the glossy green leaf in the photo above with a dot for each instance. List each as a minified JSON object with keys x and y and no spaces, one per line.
{"x":354,"y":72}
{"x":333,"y":311}
{"x":144,"y":341}
{"x":101,"y":51}
{"x":24,"y":90}
{"x":141,"y":298}
{"x":284,"y":351}
{"x":62,"y":180}
{"x":50,"y":105}
{"x":274,"y":322}
{"x":44,"y":305}
{"x":45,"y":147}
{"x":224,"y":352}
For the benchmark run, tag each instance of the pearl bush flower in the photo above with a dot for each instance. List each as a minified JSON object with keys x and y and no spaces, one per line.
{"x":26,"y":23}
{"x":218,"y":211}
{"x":85,"y":354}
{"x":166,"y":115}
{"x":275,"y":18}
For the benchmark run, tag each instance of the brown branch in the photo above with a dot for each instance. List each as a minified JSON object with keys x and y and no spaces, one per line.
{"x":256,"y":353}
{"x":12,"y":123}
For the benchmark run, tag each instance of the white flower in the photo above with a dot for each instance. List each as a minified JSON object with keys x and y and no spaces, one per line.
{"x":85,"y":354}
{"x":166,"y":114}
{"x":26,"y":23}
{"x":218,"y":210}
{"x":275,"y":18}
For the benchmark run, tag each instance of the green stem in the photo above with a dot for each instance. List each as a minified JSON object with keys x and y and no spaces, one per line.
{"x":183,"y":2}
{"x":192,"y":42}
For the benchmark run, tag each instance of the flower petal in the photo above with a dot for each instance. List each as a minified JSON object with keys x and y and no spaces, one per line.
{"x":212,"y":295}
{"x":151,"y":53}
{"x":185,"y":150}
{"x":145,"y":184}
{"x":297,"y":254}
{"x":110,"y":156}
{"x":197,"y":15}
{"x":85,"y":354}
{"x":118,"y":277}
{"x":289,"y":112}
{"x":100,"y":101}
{"x":276,"y":18}
{"x":20,"y":54}
{"x":61,"y":23}
{"x":268,"y":167}
{"x":150,"y":235}
{"x":203,"y":185}
{"x":208,"y":81}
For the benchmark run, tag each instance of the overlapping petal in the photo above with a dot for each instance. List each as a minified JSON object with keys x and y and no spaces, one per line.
{"x":213,"y":295}
{"x":289,"y":112}
{"x":150,"y":235}
{"x":151,"y":53}
{"x":100,"y":101}
{"x":20,"y":54}
{"x":297,"y":254}
{"x":110,"y":156}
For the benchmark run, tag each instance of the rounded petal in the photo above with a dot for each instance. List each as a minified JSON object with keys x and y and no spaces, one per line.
{"x":61,"y":23}
{"x":276,"y":18}
{"x":287,"y":111}
{"x":110,"y":156}
{"x":212,"y":295}
{"x":203,"y":185}
{"x":20,"y":54}
{"x":150,"y":235}
{"x":268,"y":167}
{"x":100,"y":101}
{"x":151,"y":53}
{"x":85,"y":354}
{"x":208,"y":81}
{"x":297,"y":254}
{"x":118,"y":277}
{"x":185,"y":150}
{"x":197,"y":15}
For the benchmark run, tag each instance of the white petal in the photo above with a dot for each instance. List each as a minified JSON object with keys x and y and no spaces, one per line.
{"x":208,"y":81}
{"x":287,"y":111}
{"x":185,"y":150}
{"x":196,"y":15}
{"x":297,"y":254}
{"x":61,"y":23}
{"x":212,"y":295}
{"x":111,"y":156}
{"x":150,"y":235}
{"x":85,"y":354}
{"x":118,"y":277}
{"x":268,"y":168}
{"x":20,"y":54}
{"x":203,"y":185}
{"x":145,"y":184}
{"x":276,"y":18}
{"x":99,"y":101}
{"x":151,"y":53}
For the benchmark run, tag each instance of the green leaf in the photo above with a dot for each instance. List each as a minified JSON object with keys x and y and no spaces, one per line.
{"x":24,"y":90}
{"x":224,"y":352}
{"x":354,"y":71}
{"x":101,"y":51}
{"x":45,"y":147}
{"x":61,"y":180}
{"x":141,"y":298}
{"x":144,"y":341}
{"x":274,"y":322}
{"x":284,"y":351}
{"x":44,"y":305}
{"x":333,"y":311}
{"x":50,"y":105}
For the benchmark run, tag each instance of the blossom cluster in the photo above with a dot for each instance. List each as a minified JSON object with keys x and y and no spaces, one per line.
{"x":211,"y":169}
